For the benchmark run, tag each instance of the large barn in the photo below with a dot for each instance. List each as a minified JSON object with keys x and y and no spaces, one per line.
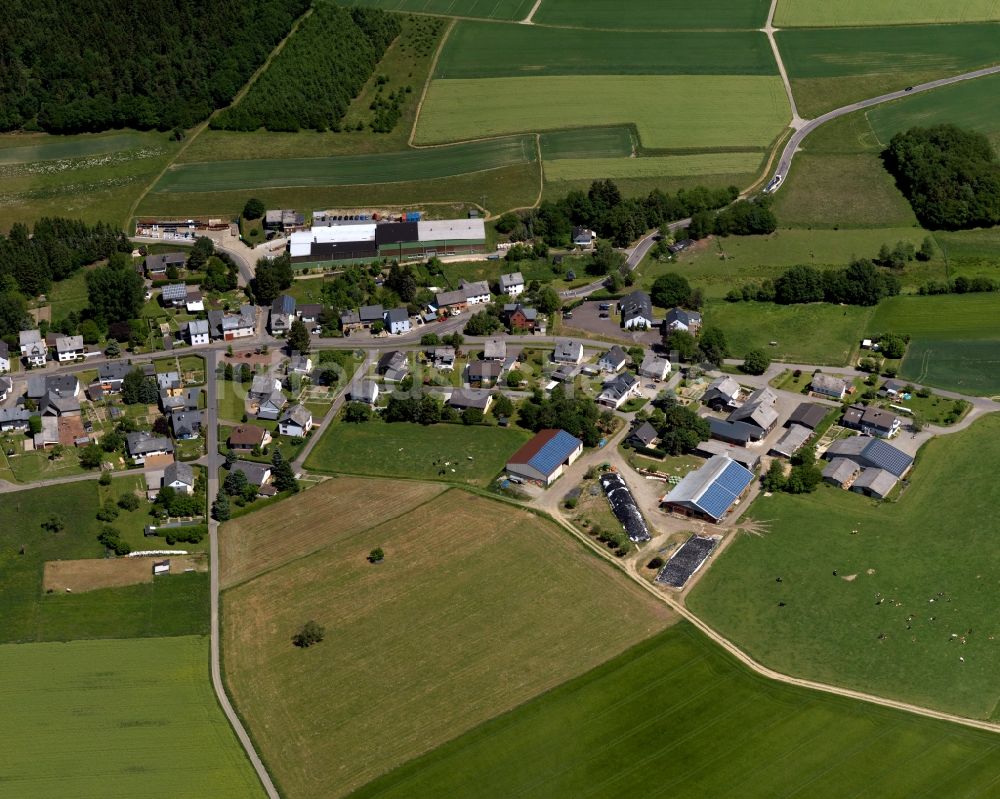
{"x":543,"y":459}
{"x":710,"y":492}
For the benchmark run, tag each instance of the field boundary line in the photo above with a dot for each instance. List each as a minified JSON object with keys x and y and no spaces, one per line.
{"x":427,"y":83}
{"x":200,"y":128}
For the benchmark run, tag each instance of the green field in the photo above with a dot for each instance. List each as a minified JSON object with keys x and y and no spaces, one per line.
{"x":476,"y":454}
{"x":820,"y":13}
{"x":477,"y":607}
{"x":26,"y":148}
{"x":485,"y":9}
{"x":931,"y":557}
{"x":101,"y":719}
{"x":968,"y":105}
{"x":642,"y":14}
{"x":955,"y":339}
{"x":818,"y":333}
{"x":487,"y":50}
{"x":830,"y":68}
{"x":610,"y":142}
{"x":69,"y":295}
{"x":688,"y":165}
{"x":719,"y":111}
{"x":675,"y":716}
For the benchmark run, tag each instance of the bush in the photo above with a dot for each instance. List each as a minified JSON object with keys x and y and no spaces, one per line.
{"x":128,"y":502}
{"x":108,"y":512}
{"x":105,"y":479}
{"x":254,"y":209}
{"x":377,"y":555}
{"x":311,"y":633}
{"x":756,"y":362}
{"x":655,"y":563}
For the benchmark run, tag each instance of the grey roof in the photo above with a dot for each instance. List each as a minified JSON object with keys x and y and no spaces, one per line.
{"x":4,"y":349}
{"x":614,"y":357}
{"x":298,"y":414}
{"x":170,"y":403}
{"x":873,"y":452}
{"x":485,"y":370}
{"x":444,"y":353}
{"x":113,"y":371}
{"x":741,"y":455}
{"x":162,"y":260}
{"x":792,"y":440}
{"x":654,"y":365}
{"x":198,"y":327}
{"x":808,"y":414}
{"x":168,"y":380}
{"x":683,"y":316}
{"x":351,"y":317}
{"x":470,"y":398}
{"x":364,"y":390}
{"x":262,"y":384}
{"x":396,"y":315}
{"x":392,"y":363}
{"x":529,"y":313}
{"x":732,"y":431}
{"x":870,"y":416}
{"x":5,"y":385}
{"x":309,"y":310}
{"x":635,"y":305}
{"x":876,"y":481}
{"x":371,"y":313}
{"x":619,"y":387}
{"x":69,"y":343}
{"x":510,"y":280}
{"x":757,"y":410}
{"x":568,"y":350}
{"x":643,"y":434}
{"x":495,"y":348}
{"x":256,"y":472}
{"x":567,"y":372}
{"x":29,"y":337}
{"x":16,"y":414}
{"x":840,"y":470}
{"x":283,"y":304}
{"x":175,"y":292}
{"x":894,"y":385}
{"x":475,"y":288}
{"x":186,"y":422}
{"x":446,"y":298}
{"x":59,"y":385}
{"x":828,"y":384}
{"x":178,"y":471}
{"x":142,"y":442}
{"x":724,"y":386}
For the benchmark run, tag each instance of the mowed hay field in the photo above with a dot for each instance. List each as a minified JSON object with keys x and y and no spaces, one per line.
{"x":642,"y":14}
{"x":475,"y":454}
{"x":821,"y":13}
{"x":832,"y":67}
{"x":675,"y":716}
{"x":931,"y":558}
{"x":103,"y":719}
{"x":263,"y":540}
{"x":487,"y":50}
{"x":719,"y":111}
{"x":348,"y":170}
{"x":606,"y":142}
{"x":477,"y":607}
{"x":485,"y":9}
{"x":698,"y":164}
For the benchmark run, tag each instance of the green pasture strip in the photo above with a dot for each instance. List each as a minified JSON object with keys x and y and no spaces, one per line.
{"x":436,"y":162}
{"x":117,"y":718}
{"x":487,"y":50}
{"x":485,"y":9}
{"x":700,"y":164}
{"x":609,"y":142}
{"x":643,"y":15}
{"x":821,"y":13}
{"x":675,"y":716}
{"x":719,"y":111}
{"x":929,"y":557}
{"x":23,"y":148}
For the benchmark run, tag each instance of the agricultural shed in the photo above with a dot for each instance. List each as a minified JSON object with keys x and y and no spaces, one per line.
{"x":710,"y":492}
{"x":544,"y":458}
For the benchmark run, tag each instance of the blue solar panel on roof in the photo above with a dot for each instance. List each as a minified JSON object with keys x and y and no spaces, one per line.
{"x":715,"y":501}
{"x":554,"y":452}
{"x":885,"y":456}
{"x":734,"y":478}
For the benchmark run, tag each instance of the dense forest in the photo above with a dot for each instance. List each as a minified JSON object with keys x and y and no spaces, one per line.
{"x":72,"y":66}
{"x":311,"y":82}
{"x":950,"y":176}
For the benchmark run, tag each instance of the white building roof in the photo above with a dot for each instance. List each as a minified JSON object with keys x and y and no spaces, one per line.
{"x":469,"y":229}
{"x":300,"y":242}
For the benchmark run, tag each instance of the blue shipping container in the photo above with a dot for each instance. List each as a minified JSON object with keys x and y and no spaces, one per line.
{"x":413,"y":216}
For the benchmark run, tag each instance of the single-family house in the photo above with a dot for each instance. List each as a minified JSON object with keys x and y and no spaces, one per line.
{"x":758,"y":411}
{"x":296,"y":421}
{"x":55,"y":395}
{"x":364,"y":391}
{"x":679,"y":246}
{"x":299,"y":365}
{"x":875,"y":483}
{"x":871,"y":420}
{"x":168,"y":381}
{"x":180,"y":477}
{"x":871,"y":453}
{"x":393,"y":366}
{"x":476,"y":293}
{"x":512,"y":284}
{"x":28,"y":337}
{"x":681,"y":319}
{"x":568,"y":352}
{"x":583,"y":237}
{"x":4,"y":357}
{"x":257,"y":474}
{"x":368,"y":315}
{"x":483,"y":373}
{"x":711,"y":492}
{"x":157,"y":265}
{"x":15,"y":418}
{"x":655,"y":367}
{"x":722,"y":393}
{"x":270,"y":406}
{"x":282,"y":314}
{"x":453,"y":301}
{"x":893,"y":388}
{"x":309,"y":312}
{"x":197,"y":332}
{"x":808,"y":414}
{"x":69,"y":348}
{"x":618,"y":390}
{"x":613,"y":360}
{"x":263,"y":386}
{"x":443,"y":358}
{"x":186,"y":424}
{"x":5,"y":387}
{"x":229,"y":327}
{"x":495,"y":349}
{"x":465,"y":398}
{"x":636,"y":310}
{"x":143,"y":445}
{"x":248,"y":436}
{"x":349,"y":321}
{"x":642,"y":436}
{"x":195,"y":301}
{"x":841,"y":472}
{"x":544,"y":458}
{"x":174,"y":295}
{"x":829,"y":386}
{"x":111,"y":375}
{"x":566,"y":372}
{"x":397,"y":321}
{"x":519,"y":318}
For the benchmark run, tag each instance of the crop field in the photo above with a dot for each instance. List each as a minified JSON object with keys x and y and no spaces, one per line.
{"x":487,"y":50}
{"x":643,"y":15}
{"x":968,"y":105}
{"x":249,"y":546}
{"x":830,"y":68}
{"x":700,"y":164}
{"x":417,"y":651}
{"x":609,"y":142}
{"x":851,"y":13}
{"x":675,"y":716}
{"x":348,"y":170}
{"x":26,"y":148}
{"x":475,"y":454}
{"x":898,"y":599}
{"x":818,"y":333}
{"x":117,"y":719}
{"x":719,"y":111}
{"x":967,"y":366}
{"x":484,"y":9}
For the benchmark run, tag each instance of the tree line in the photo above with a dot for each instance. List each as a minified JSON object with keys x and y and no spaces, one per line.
{"x":950,"y":176}
{"x":73,"y":66}
{"x":311,"y":82}
{"x":859,"y":283}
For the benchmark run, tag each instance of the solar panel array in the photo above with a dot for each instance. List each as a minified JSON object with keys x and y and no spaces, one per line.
{"x":722,"y":493}
{"x":175,"y":291}
{"x":554,"y":452}
{"x":686,"y":561}
{"x":624,"y":507}
{"x":885,"y":456}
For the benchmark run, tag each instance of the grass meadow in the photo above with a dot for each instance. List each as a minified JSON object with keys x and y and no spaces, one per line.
{"x":117,"y":719}
{"x":653,"y":166}
{"x":476,"y":454}
{"x":675,"y":716}
{"x":483,"y":9}
{"x":931,"y":559}
{"x":477,"y":607}
{"x":487,"y":50}
{"x":350,"y":170}
{"x":832,"y":67}
{"x":719,"y":111}
{"x":854,"y":13}
{"x":643,"y":15}
{"x":607,"y":142}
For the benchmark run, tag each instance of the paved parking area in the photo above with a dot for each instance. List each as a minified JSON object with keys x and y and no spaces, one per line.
{"x":587,"y":319}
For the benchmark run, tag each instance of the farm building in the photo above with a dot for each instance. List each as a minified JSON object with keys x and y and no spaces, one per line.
{"x":871,"y":420}
{"x":362,"y":241}
{"x":710,"y":492}
{"x":743,"y":456}
{"x":841,"y":472}
{"x":690,"y":557}
{"x":808,"y":414}
{"x":722,"y":393}
{"x":624,"y":507}
{"x":613,"y":360}
{"x":871,"y":453}
{"x":792,"y":441}
{"x":758,"y":411}
{"x":829,"y":386}
{"x":738,"y":433}
{"x":544,"y":458}
{"x":681,"y":319}
{"x":875,"y":483}
{"x":636,"y":310}
{"x":333,"y":243}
